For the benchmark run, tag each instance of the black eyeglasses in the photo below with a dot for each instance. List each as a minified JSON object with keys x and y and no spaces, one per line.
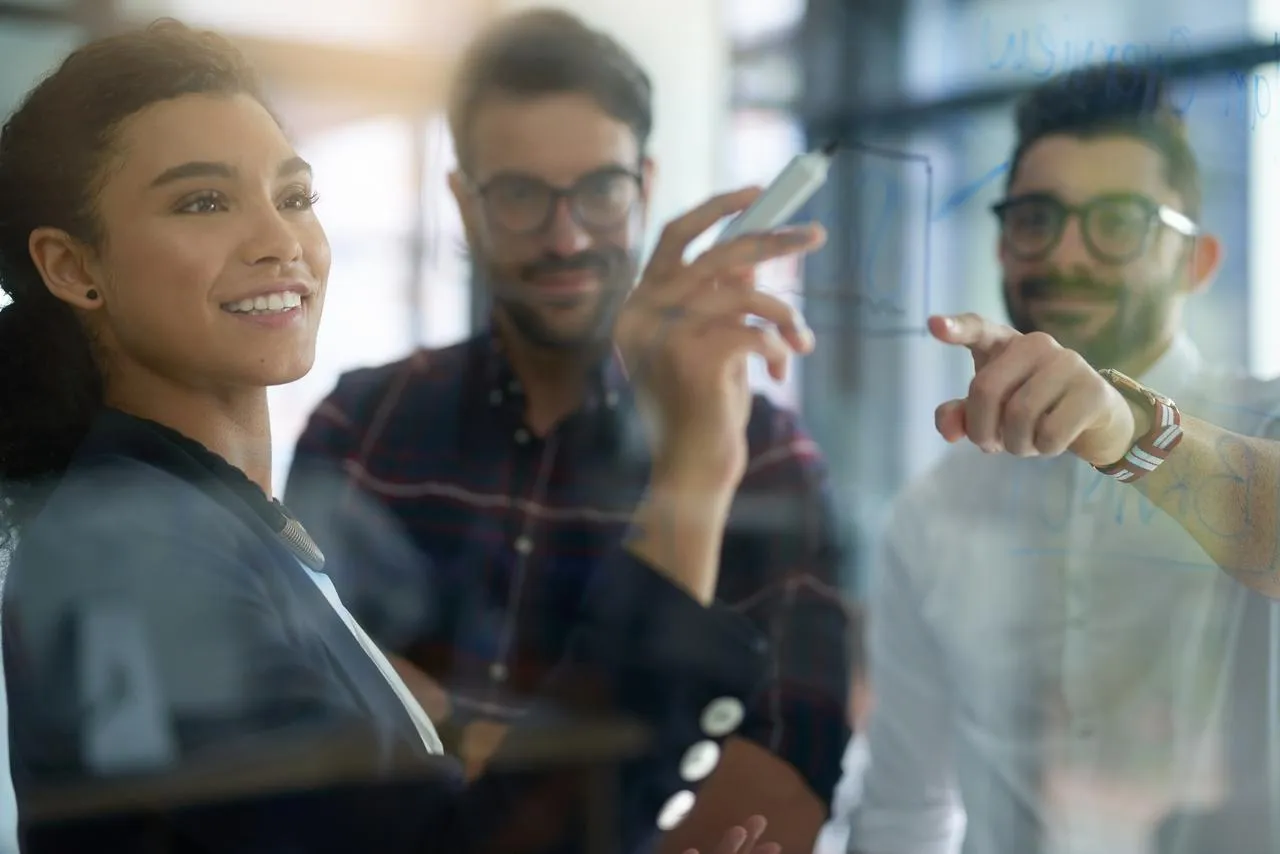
{"x":1117,"y":227}
{"x":523,"y":204}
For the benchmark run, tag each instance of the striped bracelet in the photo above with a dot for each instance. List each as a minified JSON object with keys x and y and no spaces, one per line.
{"x":1152,"y":448}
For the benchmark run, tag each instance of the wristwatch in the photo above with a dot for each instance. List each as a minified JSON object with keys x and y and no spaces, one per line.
{"x":1153,"y":447}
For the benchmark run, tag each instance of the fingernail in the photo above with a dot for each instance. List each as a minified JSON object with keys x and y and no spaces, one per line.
{"x":807,"y":336}
{"x":950,"y":323}
{"x":796,"y":236}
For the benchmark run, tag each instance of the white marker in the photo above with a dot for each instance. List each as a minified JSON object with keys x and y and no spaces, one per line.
{"x":794,"y":186}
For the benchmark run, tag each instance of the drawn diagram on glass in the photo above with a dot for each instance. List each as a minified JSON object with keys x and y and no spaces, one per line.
{"x":883,"y":287}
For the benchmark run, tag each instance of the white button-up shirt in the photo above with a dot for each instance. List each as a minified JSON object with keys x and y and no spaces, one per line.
{"x":1051,"y":654}
{"x":833,"y":838}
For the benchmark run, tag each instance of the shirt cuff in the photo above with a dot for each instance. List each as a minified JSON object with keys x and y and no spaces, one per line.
{"x":644,"y":620}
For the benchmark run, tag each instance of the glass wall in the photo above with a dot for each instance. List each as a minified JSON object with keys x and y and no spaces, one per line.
{"x":941,"y":80}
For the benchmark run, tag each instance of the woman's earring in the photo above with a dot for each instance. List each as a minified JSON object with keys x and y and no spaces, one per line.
{"x":91,"y":294}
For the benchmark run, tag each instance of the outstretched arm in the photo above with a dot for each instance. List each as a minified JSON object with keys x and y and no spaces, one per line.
{"x":1223,"y":488}
{"x":1032,"y":397}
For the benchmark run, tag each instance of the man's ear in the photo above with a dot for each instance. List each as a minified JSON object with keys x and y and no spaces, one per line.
{"x":67,"y":267}
{"x":1206,"y":260}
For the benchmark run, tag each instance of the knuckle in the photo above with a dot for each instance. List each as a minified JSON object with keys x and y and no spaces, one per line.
{"x":1040,"y":341}
{"x":1098,"y":391}
{"x":1073,"y":360}
{"x":1019,"y":411}
{"x":982,"y":389}
{"x":1049,"y":440}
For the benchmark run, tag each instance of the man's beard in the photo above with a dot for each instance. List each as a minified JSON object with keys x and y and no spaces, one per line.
{"x":615,"y":269}
{"x":1141,"y":315}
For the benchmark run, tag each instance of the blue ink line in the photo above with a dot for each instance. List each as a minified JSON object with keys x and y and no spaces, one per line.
{"x":968,"y":191}
{"x":926,"y":273}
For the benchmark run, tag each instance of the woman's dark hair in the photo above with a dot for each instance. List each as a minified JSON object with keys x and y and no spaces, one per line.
{"x":55,"y":151}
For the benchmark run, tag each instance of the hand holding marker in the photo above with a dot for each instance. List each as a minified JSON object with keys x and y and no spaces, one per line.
{"x":794,"y":186}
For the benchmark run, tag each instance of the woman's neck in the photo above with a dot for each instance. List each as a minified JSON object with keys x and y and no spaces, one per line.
{"x":235,"y":425}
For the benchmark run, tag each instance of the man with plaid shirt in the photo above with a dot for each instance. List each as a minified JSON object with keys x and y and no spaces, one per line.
{"x":465,"y":495}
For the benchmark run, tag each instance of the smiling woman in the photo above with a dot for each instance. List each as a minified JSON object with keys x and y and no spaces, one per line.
{"x":209,"y":207}
{"x":163,"y":617}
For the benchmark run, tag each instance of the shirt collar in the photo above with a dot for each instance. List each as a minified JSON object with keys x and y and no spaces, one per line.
{"x":607,"y":385}
{"x":491,"y":388}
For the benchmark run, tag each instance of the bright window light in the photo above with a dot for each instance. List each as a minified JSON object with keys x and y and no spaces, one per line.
{"x":749,"y":21}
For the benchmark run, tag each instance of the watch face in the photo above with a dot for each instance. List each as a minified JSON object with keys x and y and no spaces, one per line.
{"x":1128,"y":386}
{"x":1120,"y":381}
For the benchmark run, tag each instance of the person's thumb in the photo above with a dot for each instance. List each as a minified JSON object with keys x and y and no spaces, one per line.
{"x":950,"y":421}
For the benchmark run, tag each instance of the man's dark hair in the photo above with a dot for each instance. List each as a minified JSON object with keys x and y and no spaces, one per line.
{"x":1112,"y":99}
{"x":549,"y":52}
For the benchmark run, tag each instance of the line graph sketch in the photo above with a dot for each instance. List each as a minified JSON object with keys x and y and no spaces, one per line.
{"x":874,"y":278}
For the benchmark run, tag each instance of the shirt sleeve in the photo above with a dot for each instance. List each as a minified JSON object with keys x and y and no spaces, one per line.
{"x":910,"y":803}
{"x":236,"y":673}
{"x":784,"y":555}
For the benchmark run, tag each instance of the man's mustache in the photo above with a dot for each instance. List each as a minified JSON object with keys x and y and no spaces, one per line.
{"x":1048,"y":287}
{"x":595,"y":262}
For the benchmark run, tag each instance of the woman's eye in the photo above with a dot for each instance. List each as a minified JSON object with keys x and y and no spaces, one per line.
{"x":206,"y":203}
{"x":302,"y":201}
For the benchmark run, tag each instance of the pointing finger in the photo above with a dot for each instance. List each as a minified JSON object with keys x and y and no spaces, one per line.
{"x":971,"y":330}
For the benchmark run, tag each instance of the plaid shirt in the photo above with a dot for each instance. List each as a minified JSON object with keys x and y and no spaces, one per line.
{"x":463,"y":542}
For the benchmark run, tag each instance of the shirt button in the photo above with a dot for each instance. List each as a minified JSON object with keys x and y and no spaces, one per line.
{"x":498,"y":672}
{"x":495,"y":397}
{"x":675,"y":809}
{"x":522,"y":436}
{"x":722,"y":716}
{"x":699,"y":761}
{"x":524,"y":545}
{"x":611,"y":399}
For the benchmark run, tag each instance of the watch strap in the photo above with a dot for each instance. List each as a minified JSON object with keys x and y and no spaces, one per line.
{"x":1153,"y":447}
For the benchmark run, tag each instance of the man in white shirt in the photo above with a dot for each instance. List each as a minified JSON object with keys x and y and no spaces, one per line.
{"x":1052,"y":656}
{"x":833,"y":838}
